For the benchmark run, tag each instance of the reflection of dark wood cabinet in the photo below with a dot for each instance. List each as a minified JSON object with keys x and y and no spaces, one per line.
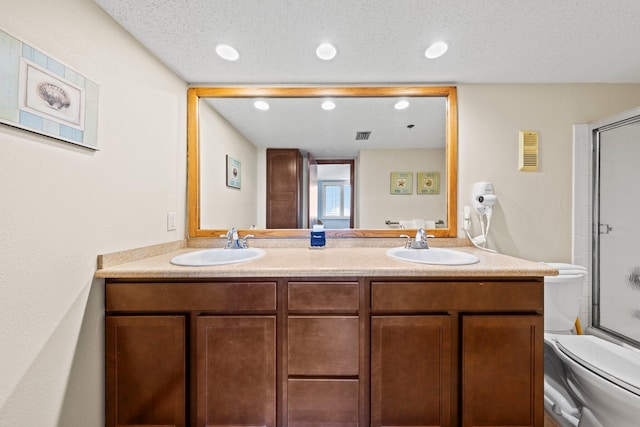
{"x":284,"y":188}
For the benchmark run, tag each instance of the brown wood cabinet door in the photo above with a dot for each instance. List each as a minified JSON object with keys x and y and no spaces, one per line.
{"x":284,"y":188}
{"x":410,"y":371}
{"x":236,"y":371}
{"x":145,"y":371}
{"x":502,"y":370}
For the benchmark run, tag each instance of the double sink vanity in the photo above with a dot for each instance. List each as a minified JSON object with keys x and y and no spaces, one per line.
{"x":348,"y":335}
{"x":360,"y":333}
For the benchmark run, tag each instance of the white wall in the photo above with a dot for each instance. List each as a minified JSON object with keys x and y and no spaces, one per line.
{"x":220,"y":204}
{"x":61,"y":206}
{"x":532,"y":219}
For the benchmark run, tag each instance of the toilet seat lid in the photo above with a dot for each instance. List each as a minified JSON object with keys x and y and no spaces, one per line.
{"x":613,"y":362}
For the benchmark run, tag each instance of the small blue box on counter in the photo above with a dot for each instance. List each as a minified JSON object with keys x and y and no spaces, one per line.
{"x":318,"y":238}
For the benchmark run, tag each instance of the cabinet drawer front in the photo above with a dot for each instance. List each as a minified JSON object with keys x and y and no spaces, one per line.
{"x":225,"y":296}
{"x":322,"y":403}
{"x":443,"y":296}
{"x":319,"y":296}
{"x":323,"y":345}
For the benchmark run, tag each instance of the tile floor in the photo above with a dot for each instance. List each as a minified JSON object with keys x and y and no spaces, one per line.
{"x":548,"y":422}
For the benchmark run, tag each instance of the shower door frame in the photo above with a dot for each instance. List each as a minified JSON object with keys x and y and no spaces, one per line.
{"x":623,"y":119}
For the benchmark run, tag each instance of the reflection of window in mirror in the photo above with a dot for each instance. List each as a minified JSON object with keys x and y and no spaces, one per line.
{"x":336,"y":200}
{"x":334,"y":196}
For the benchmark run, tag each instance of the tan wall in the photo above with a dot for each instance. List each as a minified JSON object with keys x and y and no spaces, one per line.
{"x":532,"y":219}
{"x":375,"y":202}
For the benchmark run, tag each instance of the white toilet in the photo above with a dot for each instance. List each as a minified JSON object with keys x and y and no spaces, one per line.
{"x":588,"y":382}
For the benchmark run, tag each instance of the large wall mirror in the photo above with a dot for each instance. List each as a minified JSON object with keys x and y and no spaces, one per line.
{"x":401,"y":143}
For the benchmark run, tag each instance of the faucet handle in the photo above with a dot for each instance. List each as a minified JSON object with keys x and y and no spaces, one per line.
{"x":227,"y":236}
{"x":245,"y":245}
{"x":407,"y":245}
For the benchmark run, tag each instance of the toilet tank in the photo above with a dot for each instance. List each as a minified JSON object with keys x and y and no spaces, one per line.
{"x":562,"y":295}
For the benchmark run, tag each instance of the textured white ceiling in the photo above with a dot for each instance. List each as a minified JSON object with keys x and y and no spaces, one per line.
{"x":383,"y":41}
{"x":380,"y":42}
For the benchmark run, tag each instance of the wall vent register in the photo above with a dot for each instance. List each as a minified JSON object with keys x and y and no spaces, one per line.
{"x":528,"y":151}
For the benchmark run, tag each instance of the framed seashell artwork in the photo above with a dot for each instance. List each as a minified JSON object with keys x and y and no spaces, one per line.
{"x":42,"y":95}
{"x":401,"y":182}
{"x":428,"y":183}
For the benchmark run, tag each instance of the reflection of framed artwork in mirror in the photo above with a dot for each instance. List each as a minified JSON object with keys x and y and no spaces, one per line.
{"x":428,"y":183}
{"x":234,"y":171}
{"x":401,"y":182}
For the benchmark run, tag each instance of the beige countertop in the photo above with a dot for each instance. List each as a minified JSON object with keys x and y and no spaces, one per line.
{"x":155,"y":262}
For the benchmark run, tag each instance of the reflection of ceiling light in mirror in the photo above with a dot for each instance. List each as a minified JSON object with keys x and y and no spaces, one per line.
{"x":401,"y":105}
{"x":261,"y":105}
{"x":436,"y":50}
{"x":328,"y":105}
{"x":227,"y":52}
{"x":326,"y":51}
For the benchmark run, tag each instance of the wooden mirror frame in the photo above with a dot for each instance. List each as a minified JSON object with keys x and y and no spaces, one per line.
{"x":193,"y":152}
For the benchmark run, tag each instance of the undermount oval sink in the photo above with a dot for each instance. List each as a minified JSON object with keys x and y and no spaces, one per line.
{"x":439,"y":256}
{"x":217,"y":256}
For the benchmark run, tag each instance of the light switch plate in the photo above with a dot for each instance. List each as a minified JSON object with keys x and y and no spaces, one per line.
{"x":171,"y":221}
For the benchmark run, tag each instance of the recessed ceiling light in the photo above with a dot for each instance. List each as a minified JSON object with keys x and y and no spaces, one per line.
{"x":261,"y":105}
{"x":326,"y":51}
{"x":436,"y":50}
{"x":227,"y":52}
{"x":401,"y":105}
{"x":328,"y":105}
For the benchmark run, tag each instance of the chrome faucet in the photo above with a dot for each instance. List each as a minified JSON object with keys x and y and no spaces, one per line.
{"x":229,"y":237}
{"x":420,"y":242}
{"x":234,"y":241}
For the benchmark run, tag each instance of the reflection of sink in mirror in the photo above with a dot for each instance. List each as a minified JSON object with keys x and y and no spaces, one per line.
{"x":218,"y":256}
{"x":439,"y":256}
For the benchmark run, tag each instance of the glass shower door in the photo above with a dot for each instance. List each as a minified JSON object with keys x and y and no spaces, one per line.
{"x":617,"y":230}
